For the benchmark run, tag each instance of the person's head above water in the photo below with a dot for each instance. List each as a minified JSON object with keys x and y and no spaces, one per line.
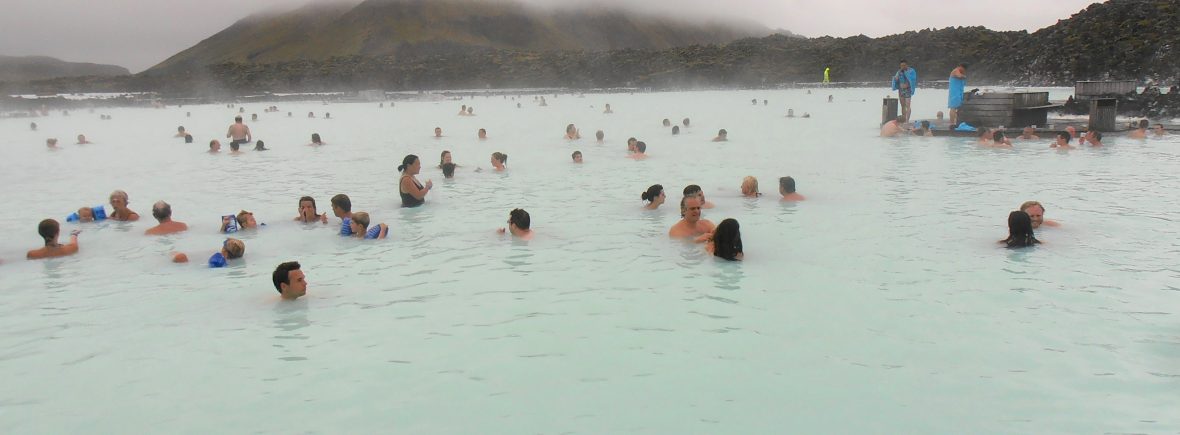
{"x":1035,"y":211}
{"x":750,"y":186}
{"x":341,"y":205}
{"x":410,"y":165}
{"x":246,"y":220}
{"x":519,"y":218}
{"x":500,"y":157}
{"x":653,"y":193}
{"x":786,"y":185}
{"x":571,"y":129}
{"x":260,"y":146}
{"x":722,"y":133}
{"x":49,"y":229}
{"x":1063,"y":137}
{"x":289,"y":281}
{"x":162,"y":211}
{"x":180,"y":129}
{"x":640,"y":147}
{"x":685,"y":122}
{"x":214,"y":146}
{"x":444,"y":158}
{"x":360,"y":222}
{"x":307,"y":208}
{"x":437,"y":131}
{"x":1143,"y":124}
{"x":577,"y":156}
{"x":238,"y":119}
{"x":727,"y":240}
{"x":234,"y":248}
{"x":690,"y":208}
{"x":666,"y":122}
{"x":448,"y":170}
{"x":315,"y":138}
{"x":483,"y":134}
{"x":998,"y":136}
{"x":675,"y":129}
{"x":1020,"y":230}
{"x":692,"y":190}
{"x":599,"y":135}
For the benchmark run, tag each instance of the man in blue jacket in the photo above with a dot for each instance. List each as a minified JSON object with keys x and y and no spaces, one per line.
{"x":905,"y":82}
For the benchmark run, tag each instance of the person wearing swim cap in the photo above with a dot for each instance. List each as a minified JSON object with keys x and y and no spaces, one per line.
{"x":163,"y":214}
{"x":289,"y":281}
{"x":239,"y":133}
{"x":49,"y":230}
{"x":120,"y":211}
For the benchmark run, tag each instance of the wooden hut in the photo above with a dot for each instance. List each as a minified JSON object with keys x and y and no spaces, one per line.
{"x":1010,"y":109}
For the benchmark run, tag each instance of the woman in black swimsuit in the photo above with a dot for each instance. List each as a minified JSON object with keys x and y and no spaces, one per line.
{"x":412,"y":192}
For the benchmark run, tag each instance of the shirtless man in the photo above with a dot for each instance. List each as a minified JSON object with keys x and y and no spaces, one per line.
{"x":1062,"y":141}
{"x":1094,"y":138}
{"x":119,"y":205}
{"x":49,"y":229}
{"x":722,"y":136}
{"x":342,"y":208}
{"x":1159,"y":131}
{"x":214,"y":146}
{"x":1029,"y":134}
{"x":691,"y":225}
{"x":892,"y":128}
{"x":163,"y":214}
{"x":240,"y":133}
{"x":1141,"y":132}
{"x":518,"y":225}
{"x":307,"y":212}
{"x":180,"y":132}
{"x":82,"y":140}
{"x":1036,"y":212}
{"x":640,"y":151}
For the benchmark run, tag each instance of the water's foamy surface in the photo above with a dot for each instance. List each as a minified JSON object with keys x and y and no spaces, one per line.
{"x":880,"y":304}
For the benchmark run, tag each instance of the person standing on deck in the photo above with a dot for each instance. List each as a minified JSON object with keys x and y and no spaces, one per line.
{"x":958,"y":81}
{"x":905,"y":82}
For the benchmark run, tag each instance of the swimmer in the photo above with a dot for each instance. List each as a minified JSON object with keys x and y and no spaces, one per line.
{"x":49,"y":230}
{"x":750,"y":187}
{"x":120,"y":212}
{"x":722,"y":136}
{"x":413,"y":193}
{"x":571,"y":133}
{"x":608,"y":111}
{"x":518,"y":225}
{"x":260,"y":146}
{"x":33,"y":126}
{"x":1036,"y":213}
{"x":939,"y":115}
{"x":289,"y":281}
{"x":82,"y":140}
{"x":188,"y":138}
{"x":577,"y":156}
{"x":311,"y":114}
{"x":51,"y":143}
{"x":180,"y":132}
{"x":471,"y":110}
{"x":691,"y":225}
{"x":437,"y":132}
{"x":1140,"y":132}
{"x":726,"y":241}
{"x":463,"y":110}
{"x":790,"y":113}
{"x":1000,"y":140}
{"x":754,"y":101}
{"x":924,"y":130}
{"x":499,"y":161}
{"x":308,"y":213}
{"x":1028,"y":134}
{"x":342,"y":208}
{"x":163,"y":214}
{"x":85,"y":214}
{"x":830,"y":98}
{"x":666,"y":122}
{"x":315,"y":140}
{"x":806,"y":115}
{"x":695,"y":190}
{"x":675,"y":130}
{"x":253,"y":117}
{"x":1062,"y":141}
{"x":654,"y":197}
{"x":892,"y":128}
{"x":786,"y":188}
{"x":483,"y":134}
{"x":631,"y":145}
{"x":290,"y":115}
{"x":231,"y":249}
{"x":448,"y":170}
{"x":1095,"y":138}
{"x":361,"y":230}
{"x":444,"y":158}
{"x":599,"y":135}
{"x":244,"y":219}
{"x":214,"y":146}
{"x":1159,"y":131}
{"x":1073,"y":132}
{"x":640,"y":151}
{"x":685,"y":121}
{"x":239,"y":133}
{"x":1020,"y":231}
{"x":984,"y":138}
{"x":765,"y":102}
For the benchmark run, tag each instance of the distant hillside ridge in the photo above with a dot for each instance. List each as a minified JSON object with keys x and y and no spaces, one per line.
{"x":25,"y":68}
{"x":378,"y":28}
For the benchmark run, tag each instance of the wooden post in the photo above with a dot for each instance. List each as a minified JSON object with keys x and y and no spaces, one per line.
{"x":888,"y":110}
{"x":1102,"y":114}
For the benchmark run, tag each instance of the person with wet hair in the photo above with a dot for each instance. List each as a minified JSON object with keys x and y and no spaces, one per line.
{"x":1141,"y":131}
{"x":631,"y":145}
{"x":654,"y":197}
{"x":444,"y":158}
{"x":499,"y":161}
{"x":666,"y":122}
{"x":438,"y":132}
{"x":695,"y":190}
{"x":316,"y":140}
{"x":1062,"y":141}
{"x":786,"y":188}
{"x":691,"y":225}
{"x":726,"y":241}
{"x":599,"y":135}
{"x":572,"y":133}
{"x":51,"y":143}
{"x":1028,"y":133}
{"x":1159,"y":131}
{"x":214,"y":146}
{"x":308,"y":213}
{"x":361,"y":230}
{"x":750,"y":187}
{"x":924,"y":130}
{"x":519,"y":225}
{"x":49,"y":230}
{"x":119,"y":210}
{"x":640,"y":151}
{"x":685,"y":122}
{"x":1036,"y":213}
{"x":722,"y":136}
{"x":289,"y":281}
{"x":163,"y":214}
{"x":608,"y":111}
{"x":342,"y":208}
{"x":1095,"y":138}
{"x":1000,"y":140}
{"x":482,"y":134}
{"x":259,"y":145}
{"x":1020,"y":231}
{"x":463,"y":110}
{"x":577,"y":156}
{"x":448,"y":170}
{"x":180,"y":132}
{"x":413,"y":192}
{"x":675,"y":130}
{"x":239,"y":133}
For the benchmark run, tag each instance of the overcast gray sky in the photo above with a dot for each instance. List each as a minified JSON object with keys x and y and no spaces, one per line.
{"x":140,"y":33}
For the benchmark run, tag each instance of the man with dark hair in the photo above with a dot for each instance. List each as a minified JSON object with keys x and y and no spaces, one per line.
{"x":1095,"y":138}
{"x":577,"y":156}
{"x":518,"y":225}
{"x":342,"y":208}
{"x":307,"y":211}
{"x":786,"y":188}
{"x":448,"y":170}
{"x":240,"y":133}
{"x":163,"y":214}
{"x":905,"y":82}
{"x":1141,"y":132}
{"x":49,"y":229}
{"x":289,"y":281}
{"x":1062,"y":141}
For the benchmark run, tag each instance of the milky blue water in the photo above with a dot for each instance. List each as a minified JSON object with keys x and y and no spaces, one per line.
{"x":882,"y":304}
